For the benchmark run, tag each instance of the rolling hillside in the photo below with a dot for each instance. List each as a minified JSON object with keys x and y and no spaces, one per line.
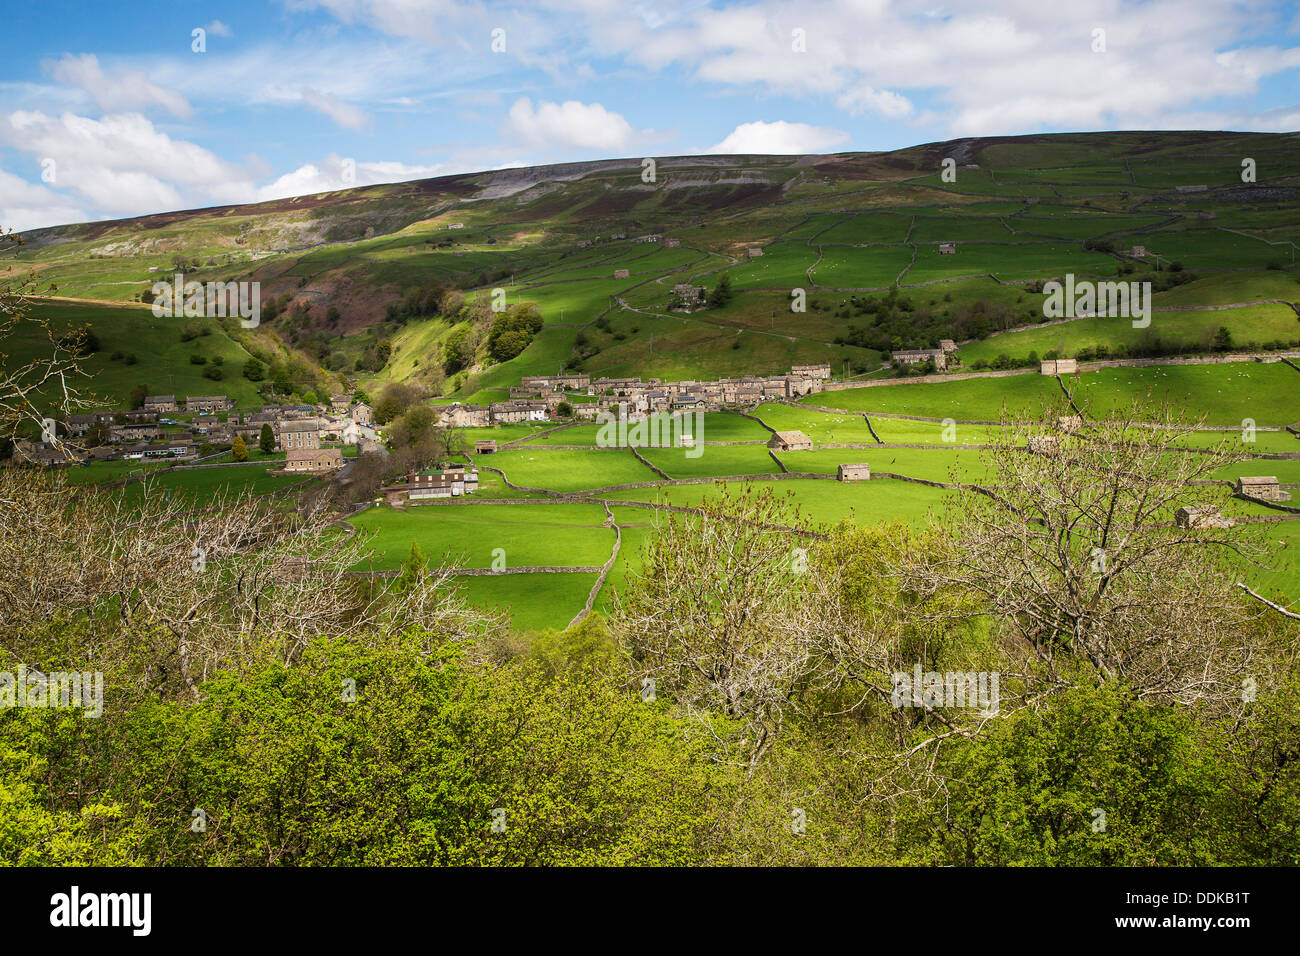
{"x":344,"y":268}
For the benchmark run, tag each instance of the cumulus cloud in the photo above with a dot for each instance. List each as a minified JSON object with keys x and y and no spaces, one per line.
{"x":122,"y":164}
{"x":336,"y":172}
{"x":863,"y":98}
{"x":24,"y":205}
{"x":344,"y":114}
{"x":219,"y":29}
{"x":1028,"y":66}
{"x":570,"y":124}
{"x":119,"y":89}
{"x":780,"y":138}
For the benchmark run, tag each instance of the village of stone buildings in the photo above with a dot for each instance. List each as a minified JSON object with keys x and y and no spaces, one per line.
{"x":537,"y":398}
{"x":311,"y":437}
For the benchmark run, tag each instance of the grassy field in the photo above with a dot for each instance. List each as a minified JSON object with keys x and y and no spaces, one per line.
{"x":559,"y":469}
{"x":1224,"y":394}
{"x":474,"y":536}
{"x":1190,"y":330}
{"x":976,"y":399}
{"x":162,"y":359}
{"x":202,"y":484}
{"x":530,"y":602}
{"x":712,"y":460}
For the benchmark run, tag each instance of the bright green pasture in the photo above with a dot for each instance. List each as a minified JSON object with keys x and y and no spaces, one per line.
{"x":1029,"y":260}
{"x":163,"y":359}
{"x":818,"y":426}
{"x":720,"y":460}
{"x":869,"y":268}
{"x":932,"y":464}
{"x":975,"y":399}
{"x":202,"y":484}
{"x":530,"y":602}
{"x":1257,"y":323}
{"x":871,"y":227}
{"x":820,"y":500}
{"x":782,"y":265}
{"x":1225,"y":394}
{"x":561,"y":469}
{"x":468,"y":535}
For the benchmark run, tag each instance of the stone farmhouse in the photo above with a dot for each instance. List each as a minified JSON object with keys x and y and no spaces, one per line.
{"x":44,"y":454}
{"x":160,"y":403}
{"x":465,"y":416}
{"x":857,"y":472}
{"x":207,"y":404}
{"x":485,"y":446}
{"x":821,"y":370}
{"x":141,"y":431}
{"x":1266,"y":487}
{"x":517,"y":411}
{"x":80,"y":424}
{"x":313,"y":460}
{"x":947,"y":248}
{"x":298,"y":435}
{"x":1059,"y":367}
{"x":451,"y":482}
{"x":1201,"y":516}
{"x":686,"y":297}
{"x":1043,"y":444}
{"x":920,"y":357}
{"x":790,"y":441}
{"x":556,"y":382}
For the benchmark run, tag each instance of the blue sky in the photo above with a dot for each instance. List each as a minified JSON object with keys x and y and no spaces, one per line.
{"x":109,"y":111}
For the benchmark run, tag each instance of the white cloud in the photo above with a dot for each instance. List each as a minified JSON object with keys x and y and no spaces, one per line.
{"x":886,"y":103}
{"x":1028,"y":66}
{"x":120,"y":89}
{"x":219,"y":29}
{"x":336,"y":172}
{"x":570,"y":124}
{"x":780,"y":138}
{"x":123,"y":165}
{"x":344,"y":114}
{"x":24,"y":205}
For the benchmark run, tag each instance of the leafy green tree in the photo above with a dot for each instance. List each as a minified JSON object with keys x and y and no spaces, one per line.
{"x":414,"y":567}
{"x":721,"y":293}
{"x":1097,"y":779}
{"x":266,"y":440}
{"x":238,"y":450}
{"x":138,"y":395}
{"x":513,"y":331}
{"x":1223,"y":339}
{"x":254,"y":370}
{"x":458,"y":350}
